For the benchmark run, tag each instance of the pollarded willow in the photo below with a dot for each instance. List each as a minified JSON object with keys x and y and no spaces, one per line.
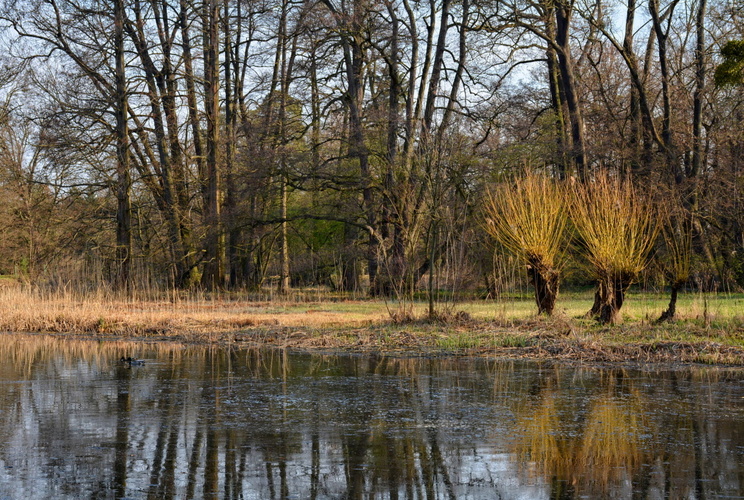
{"x":617,"y":227}
{"x":530,"y":217}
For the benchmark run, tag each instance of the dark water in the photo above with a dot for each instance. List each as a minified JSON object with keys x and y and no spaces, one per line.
{"x":199,"y":423}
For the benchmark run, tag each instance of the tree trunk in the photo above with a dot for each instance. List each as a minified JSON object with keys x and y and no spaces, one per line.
{"x":611,"y":294}
{"x":436,"y":71}
{"x":457,"y":80}
{"x":432,"y":268}
{"x":637,"y":165}
{"x":191,"y":98}
{"x":568,"y":85}
{"x":557,"y":103}
{"x":661,"y":41}
{"x":545,"y":282}
{"x":167,"y":190}
{"x":124,"y":205}
{"x":232,"y":265}
{"x":596,"y":306}
{"x":696,"y":167}
{"x":284,"y":283}
{"x":390,"y":279}
{"x":349,"y":273}
{"x":354,"y":63}
{"x":557,"y":97}
{"x":168,"y":87}
{"x":214,"y":266}
{"x":285,"y":72}
{"x":671,"y":310}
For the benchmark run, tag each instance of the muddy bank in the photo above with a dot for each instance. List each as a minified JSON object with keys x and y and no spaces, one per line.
{"x":539,"y":340}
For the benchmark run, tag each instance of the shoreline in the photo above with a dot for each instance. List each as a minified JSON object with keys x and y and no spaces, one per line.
{"x":475,"y":340}
{"x":711,"y":332}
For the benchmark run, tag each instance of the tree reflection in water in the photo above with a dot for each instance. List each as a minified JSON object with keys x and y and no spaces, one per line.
{"x":592,"y":445}
{"x":211,"y":423}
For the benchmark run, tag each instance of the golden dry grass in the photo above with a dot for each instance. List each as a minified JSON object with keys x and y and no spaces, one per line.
{"x":25,"y":310}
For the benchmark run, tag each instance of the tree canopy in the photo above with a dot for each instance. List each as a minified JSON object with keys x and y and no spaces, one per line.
{"x":350,"y":145}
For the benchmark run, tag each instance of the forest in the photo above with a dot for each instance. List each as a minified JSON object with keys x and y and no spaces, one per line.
{"x":366,"y":145}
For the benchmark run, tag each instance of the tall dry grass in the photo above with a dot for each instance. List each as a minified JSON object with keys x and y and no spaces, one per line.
{"x":617,"y":228}
{"x":530,"y":217}
{"x":29,"y":309}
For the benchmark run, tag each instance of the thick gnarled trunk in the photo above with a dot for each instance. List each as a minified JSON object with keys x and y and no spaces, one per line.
{"x":609,"y":298}
{"x":545,"y":281}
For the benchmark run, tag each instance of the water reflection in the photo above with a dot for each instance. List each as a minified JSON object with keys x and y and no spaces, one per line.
{"x":211,"y":423}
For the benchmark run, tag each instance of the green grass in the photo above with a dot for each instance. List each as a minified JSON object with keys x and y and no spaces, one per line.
{"x":638,"y":306}
{"x":643,"y":307}
{"x":467,"y":339}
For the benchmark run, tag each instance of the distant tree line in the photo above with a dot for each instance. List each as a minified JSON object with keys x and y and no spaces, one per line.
{"x":351,"y":144}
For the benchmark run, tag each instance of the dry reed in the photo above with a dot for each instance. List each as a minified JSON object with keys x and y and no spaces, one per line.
{"x":31,"y":310}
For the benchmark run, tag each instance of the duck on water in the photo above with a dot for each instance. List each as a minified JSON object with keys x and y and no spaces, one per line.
{"x":132,"y":361}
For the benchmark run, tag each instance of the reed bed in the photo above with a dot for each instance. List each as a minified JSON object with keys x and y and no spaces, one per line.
{"x":29,"y":310}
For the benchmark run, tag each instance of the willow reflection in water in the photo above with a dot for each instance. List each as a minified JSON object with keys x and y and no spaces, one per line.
{"x":195,"y":423}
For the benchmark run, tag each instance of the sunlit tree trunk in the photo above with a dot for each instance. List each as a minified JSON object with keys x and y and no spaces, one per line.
{"x":700,"y":73}
{"x":352,"y":40}
{"x":168,"y":87}
{"x":459,"y":71}
{"x":436,"y":71}
{"x":230,"y":126}
{"x":389,"y":281}
{"x":635,"y":139}
{"x":281,"y":142}
{"x":193,"y":109}
{"x":557,"y":103}
{"x":167,"y":189}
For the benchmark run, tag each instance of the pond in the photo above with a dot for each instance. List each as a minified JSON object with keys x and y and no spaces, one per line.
{"x":232,"y":423}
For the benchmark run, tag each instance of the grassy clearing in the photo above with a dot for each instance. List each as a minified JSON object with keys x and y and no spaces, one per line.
{"x":710,"y":328}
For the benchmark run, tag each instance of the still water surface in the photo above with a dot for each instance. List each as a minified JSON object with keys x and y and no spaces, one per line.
{"x":211,"y":423}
